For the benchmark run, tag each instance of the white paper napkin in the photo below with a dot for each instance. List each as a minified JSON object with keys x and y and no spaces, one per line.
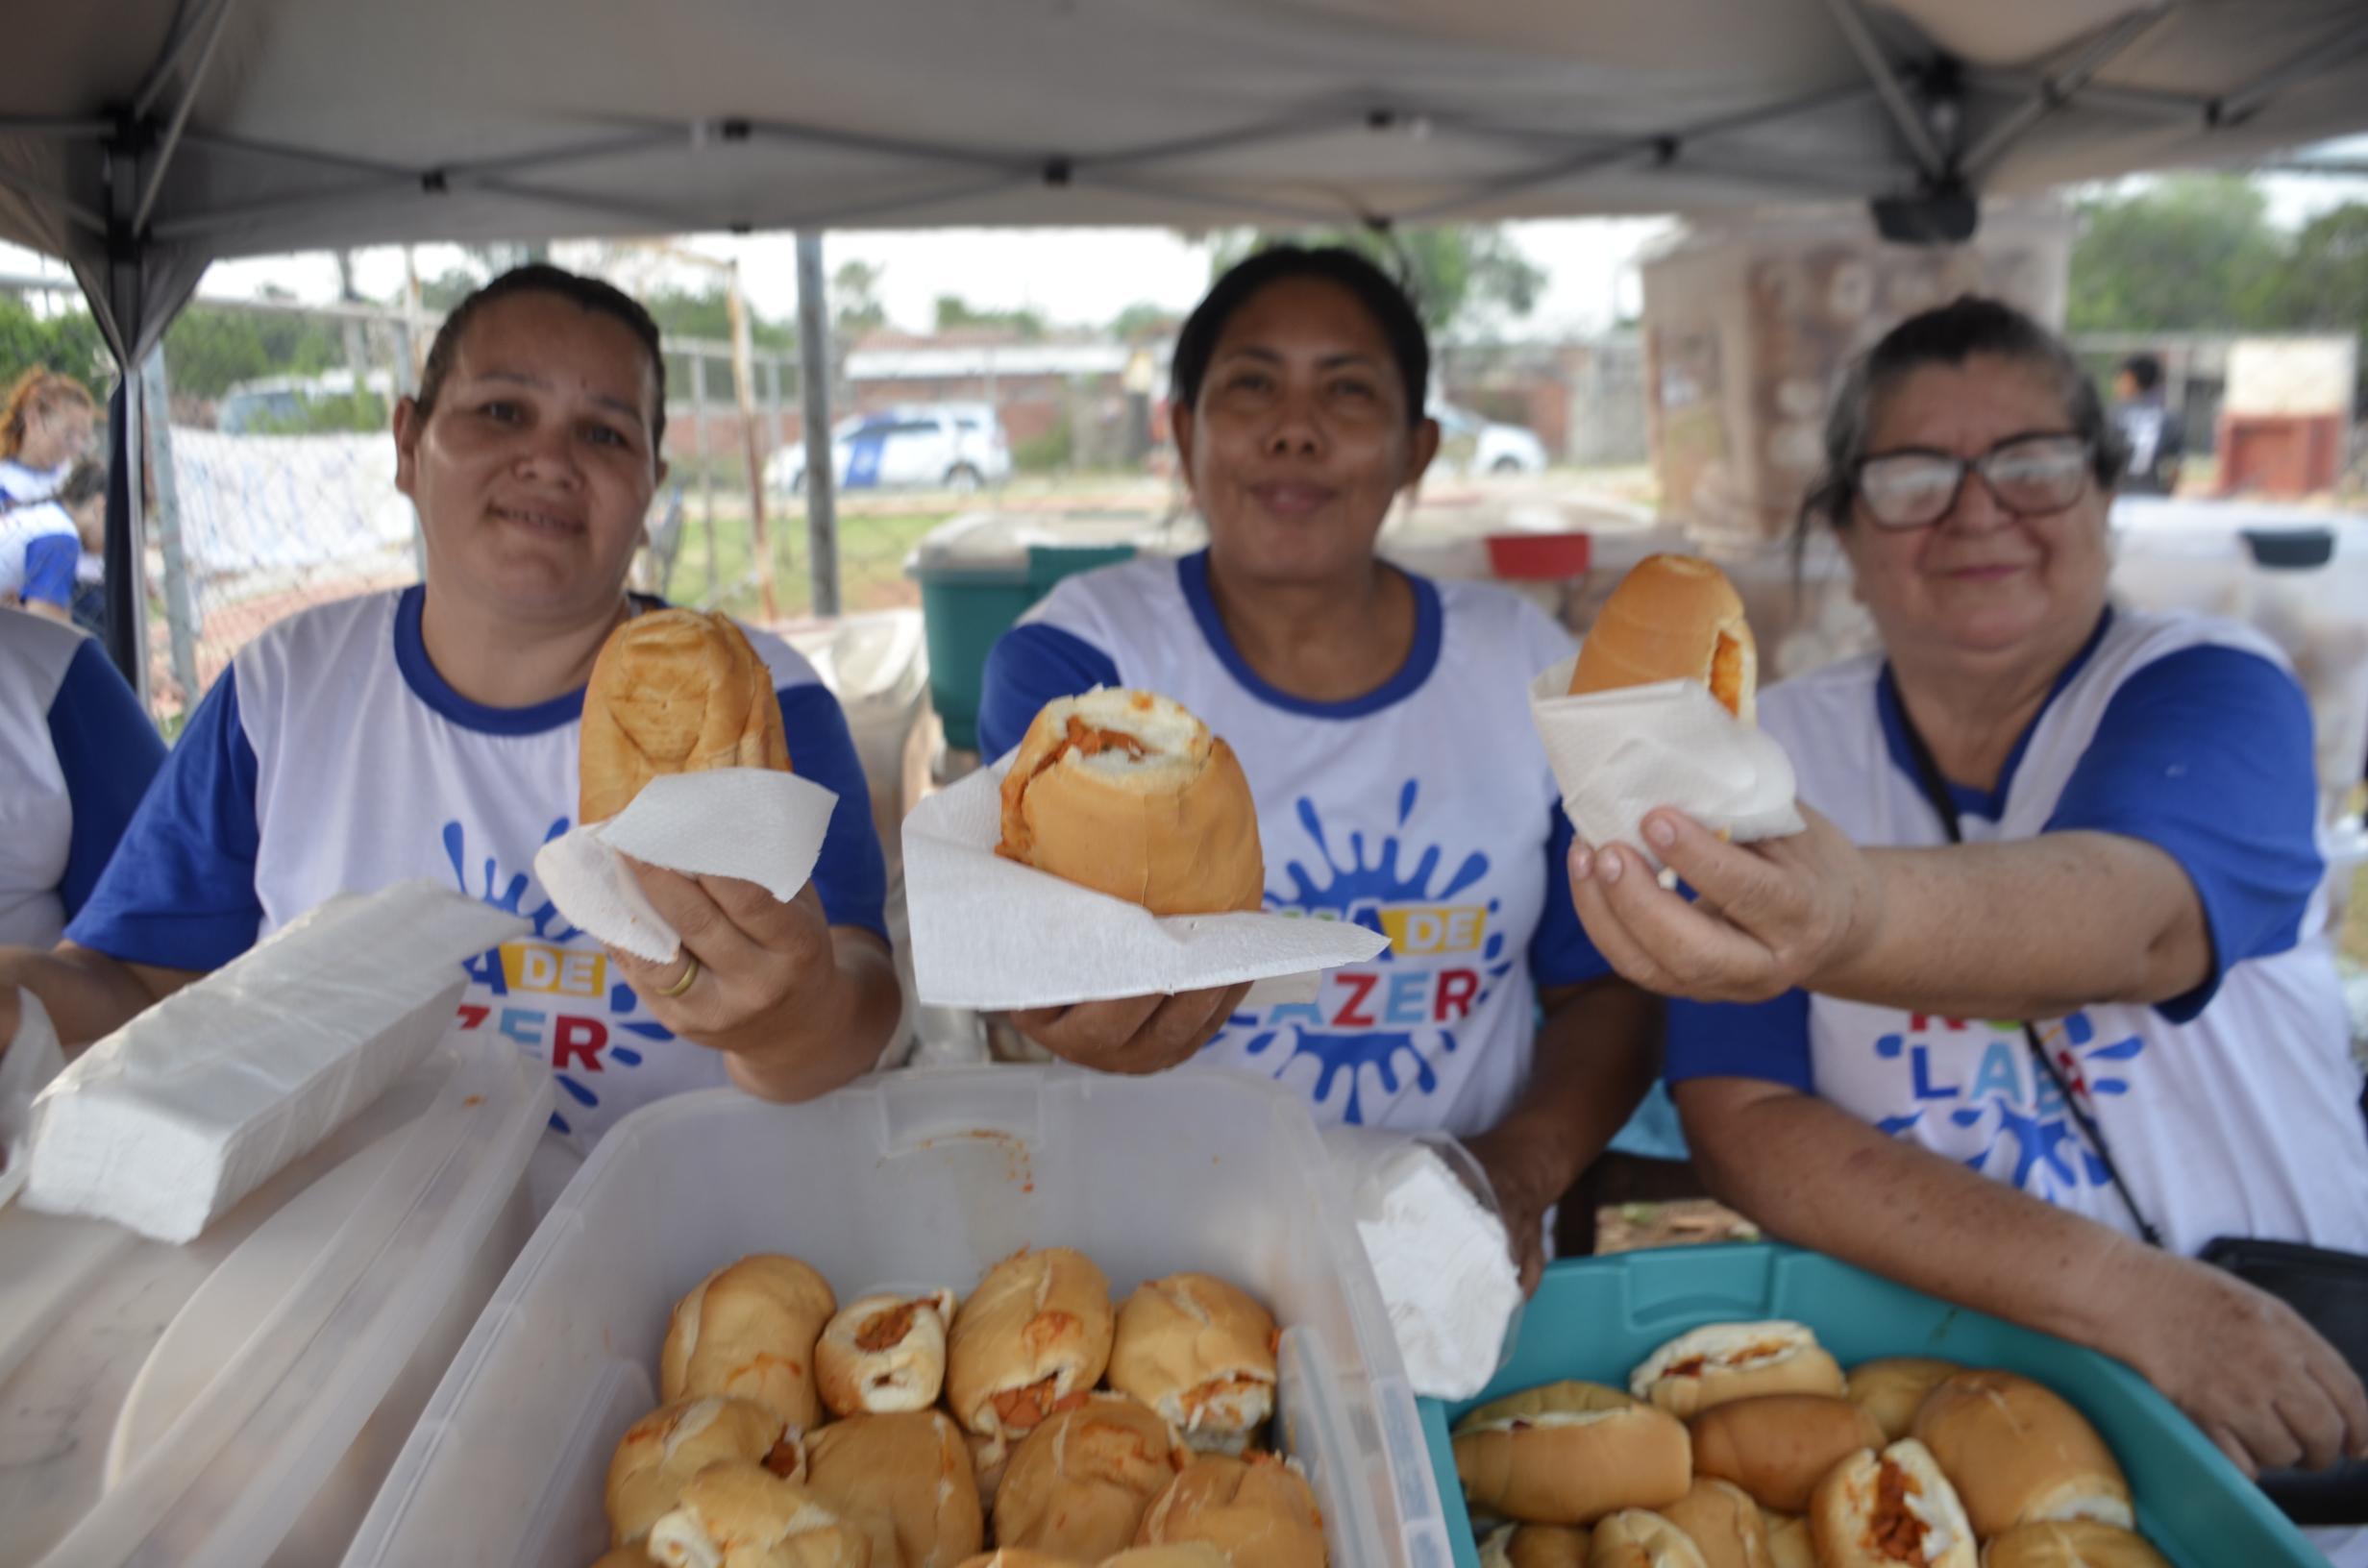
{"x":991,"y":933}
{"x":33,"y":1059}
{"x":754,"y":823}
{"x":1621,"y":753}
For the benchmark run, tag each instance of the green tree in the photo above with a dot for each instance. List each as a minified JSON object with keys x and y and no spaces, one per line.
{"x":2191,"y":253}
{"x":2323,"y":282}
{"x":854,"y":292}
{"x":953,"y":311}
{"x":1462,"y":277}
{"x":69,"y":343}
{"x":209,"y":349}
{"x":1143,"y":320}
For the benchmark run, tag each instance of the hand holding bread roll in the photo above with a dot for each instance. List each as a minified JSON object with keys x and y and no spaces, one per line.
{"x":905,"y":1480}
{"x":1672,"y":618}
{"x":673,"y":692}
{"x":748,"y":1331}
{"x":1875,"y":1510}
{"x":1569,"y":1452}
{"x":1079,"y":1483}
{"x":1259,"y":1512}
{"x":661,"y":1453}
{"x":884,"y":1354}
{"x":1126,"y":793}
{"x":1777,"y":1447}
{"x":2019,"y":1452}
{"x":1200,"y":1352}
{"x":1720,"y":1362}
{"x":1037,"y":1330}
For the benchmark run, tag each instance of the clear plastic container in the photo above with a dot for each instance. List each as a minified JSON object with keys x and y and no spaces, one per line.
{"x":237,"y":1401}
{"x":908,"y":1180}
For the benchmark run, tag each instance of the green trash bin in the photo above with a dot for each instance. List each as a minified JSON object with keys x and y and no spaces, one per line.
{"x":979,"y":574}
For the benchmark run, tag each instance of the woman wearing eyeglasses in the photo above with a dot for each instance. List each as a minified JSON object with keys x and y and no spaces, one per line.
{"x":2029,"y":806}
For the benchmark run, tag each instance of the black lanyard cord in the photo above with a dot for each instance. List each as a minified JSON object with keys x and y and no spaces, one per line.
{"x":1936,"y":791}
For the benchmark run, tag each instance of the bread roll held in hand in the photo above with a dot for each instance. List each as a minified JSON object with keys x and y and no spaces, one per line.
{"x":2019,"y":1452}
{"x":1079,"y":1484}
{"x":1777,"y":1447}
{"x":1201,"y":1352}
{"x":661,"y":1453}
{"x":1037,"y":1330}
{"x":1720,"y":1362}
{"x":904,"y":1480}
{"x":884,"y":1354}
{"x":1640,"y":1538}
{"x":1890,"y":1387}
{"x":1723,"y":1523}
{"x":1125,"y":793}
{"x":749,"y":1331}
{"x":1878,"y":1511}
{"x":673,"y":692}
{"x":1259,"y":1512}
{"x":1569,"y":1452}
{"x":735,"y":1515}
{"x":1672,"y":618}
{"x":2071,"y":1543}
{"x":1535,"y":1546}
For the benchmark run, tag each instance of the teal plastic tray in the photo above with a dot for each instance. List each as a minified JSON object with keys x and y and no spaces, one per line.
{"x":965,"y":609}
{"x":1596,"y":1318}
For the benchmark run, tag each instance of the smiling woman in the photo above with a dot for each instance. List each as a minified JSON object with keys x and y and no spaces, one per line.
{"x":433,"y":731}
{"x":1381,"y":721}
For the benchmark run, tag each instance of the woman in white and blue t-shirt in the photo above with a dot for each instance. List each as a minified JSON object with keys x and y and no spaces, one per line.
{"x":45,"y":421}
{"x":2138,"y":873}
{"x":1383,"y":724}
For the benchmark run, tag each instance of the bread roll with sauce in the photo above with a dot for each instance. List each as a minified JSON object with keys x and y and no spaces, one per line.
{"x":1200,"y":1352}
{"x":1079,"y":1484}
{"x":1037,"y":1330}
{"x":1723,"y":1523}
{"x":673,"y":692}
{"x":1672,"y":618}
{"x":748,"y":1330}
{"x":1640,"y":1538}
{"x":884,"y":1355}
{"x":2019,"y":1452}
{"x":1569,"y":1452}
{"x":2071,"y":1543}
{"x":1777,"y":1447}
{"x":661,"y":1453}
{"x":735,"y":1515}
{"x":1126,"y":793}
{"x":1879,"y":1511}
{"x":1720,"y":1362}
{"x":1535,"y":1546}
{"x":1890,"y":1387}
{"x":904,"y":1480}
{"x":1259,"y":1512}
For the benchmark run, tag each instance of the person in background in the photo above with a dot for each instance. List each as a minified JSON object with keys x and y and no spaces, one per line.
{"x":47,"y":560}
{"x":1383,"y":724}
{"x":2156,"y":436}
{"x":46,"y":423}
{"x":433,"y":731}
{"x":2028,"y":806}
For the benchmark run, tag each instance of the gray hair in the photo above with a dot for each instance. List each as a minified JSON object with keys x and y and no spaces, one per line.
{"x":1949,"y":335}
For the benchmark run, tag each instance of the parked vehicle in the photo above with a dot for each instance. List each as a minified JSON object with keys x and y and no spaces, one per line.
{"x":336,"y":399}
{"x":955,"y":446}
{"x":1468,"y":444}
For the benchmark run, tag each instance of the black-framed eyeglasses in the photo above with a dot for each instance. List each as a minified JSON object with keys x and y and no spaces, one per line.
{"x":2024,"y":474}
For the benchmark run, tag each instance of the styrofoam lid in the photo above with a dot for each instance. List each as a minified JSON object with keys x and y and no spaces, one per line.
{"x":999,"y":540}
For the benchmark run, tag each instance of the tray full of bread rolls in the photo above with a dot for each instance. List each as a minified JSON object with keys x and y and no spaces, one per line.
{"x":1065,"y":1317}
{"x":1699,"y":1406}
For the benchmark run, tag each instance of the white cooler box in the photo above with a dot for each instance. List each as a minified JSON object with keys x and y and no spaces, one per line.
{"x":237,"y":1401}
{"x":908,"y":1180}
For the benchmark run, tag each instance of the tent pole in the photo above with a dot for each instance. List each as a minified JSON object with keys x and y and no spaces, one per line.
{"x":126,"y":586}
{"x":822,"y":517}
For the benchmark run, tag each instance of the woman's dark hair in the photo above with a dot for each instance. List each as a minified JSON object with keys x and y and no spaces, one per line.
{"x":539,"y":277}
{"x":1401,"y":328}
{"x":1949,"y":335}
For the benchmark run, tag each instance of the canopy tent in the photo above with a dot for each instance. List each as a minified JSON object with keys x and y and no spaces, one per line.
{"x":145,"y":139}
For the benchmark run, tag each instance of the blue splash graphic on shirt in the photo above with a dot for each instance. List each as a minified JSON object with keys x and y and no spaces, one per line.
{"x":2032,"y":1142}
{"x":1357,"y":890}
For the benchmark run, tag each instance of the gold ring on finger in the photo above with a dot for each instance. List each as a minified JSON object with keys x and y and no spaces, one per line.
{"x":690,"y":972}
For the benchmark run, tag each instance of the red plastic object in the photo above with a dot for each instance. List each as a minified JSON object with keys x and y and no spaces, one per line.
{"x":1540,"y":557}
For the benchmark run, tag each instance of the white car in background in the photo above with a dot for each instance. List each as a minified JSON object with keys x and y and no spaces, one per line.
{"x":951,"y":446}
{"x":1468,"y":444}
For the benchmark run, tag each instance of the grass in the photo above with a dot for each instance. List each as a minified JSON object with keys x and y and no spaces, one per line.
{"x":873,"y":544}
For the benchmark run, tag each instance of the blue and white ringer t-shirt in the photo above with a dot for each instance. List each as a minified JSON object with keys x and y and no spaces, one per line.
{"x":333,"y":756}
{"x":1425,"y":810}
{"x":2231,"y":1110}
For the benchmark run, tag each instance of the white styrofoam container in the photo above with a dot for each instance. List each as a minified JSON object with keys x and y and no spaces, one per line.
{"x":236,"y":1401}
{"x":908,"y":1180}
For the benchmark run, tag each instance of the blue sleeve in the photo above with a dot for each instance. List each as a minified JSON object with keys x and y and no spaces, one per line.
{"x":109,"y":752}
{"x":1741,"y":1039}
{"x":1560,"y":950}
{"x":850,"y":876}
{"x":2207,"y":755}
{"x":180,"y":892}
{"x":49,"y":569}
{"x":1027,"y":668}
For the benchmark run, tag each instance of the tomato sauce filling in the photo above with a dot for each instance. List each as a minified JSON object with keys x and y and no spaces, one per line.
{"x":885,"y":1331}
{"x":1892,"y":1527}
{"x":1025,"y":1409}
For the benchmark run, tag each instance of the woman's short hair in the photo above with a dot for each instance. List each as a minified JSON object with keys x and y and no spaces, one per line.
{"x":37,"y":390}
{"x":540,"y":278}
{"x":1950,"y":335}
{"x":1401,"y":326}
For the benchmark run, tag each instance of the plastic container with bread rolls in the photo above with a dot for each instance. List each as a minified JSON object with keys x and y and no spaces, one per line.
{"x":1596,"y":1318}
{"x":905,"y":1182}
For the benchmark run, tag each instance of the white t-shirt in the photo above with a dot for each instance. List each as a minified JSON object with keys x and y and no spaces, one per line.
{"x":1425,"y":810}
